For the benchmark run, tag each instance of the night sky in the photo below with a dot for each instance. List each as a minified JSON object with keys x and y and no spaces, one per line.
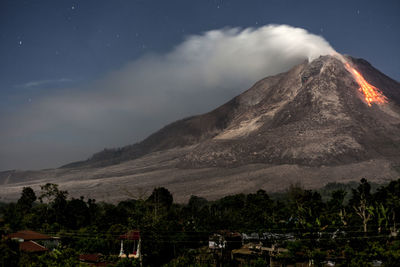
{"x":71,"y":72}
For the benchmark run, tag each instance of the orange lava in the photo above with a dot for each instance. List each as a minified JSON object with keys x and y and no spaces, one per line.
{"x":371,"y":93}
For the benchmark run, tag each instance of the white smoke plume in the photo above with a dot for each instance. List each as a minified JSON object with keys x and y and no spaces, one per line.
{"x":127,"y":104}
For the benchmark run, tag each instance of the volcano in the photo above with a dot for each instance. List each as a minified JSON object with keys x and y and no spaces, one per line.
{"x":334,"y":119}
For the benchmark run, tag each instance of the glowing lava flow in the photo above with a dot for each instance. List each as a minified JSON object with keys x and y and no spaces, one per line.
{"x":371,"y":93}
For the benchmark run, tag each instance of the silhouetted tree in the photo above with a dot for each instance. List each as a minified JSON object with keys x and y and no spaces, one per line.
{"x":161,"y":196}
{"x":25,"y":202}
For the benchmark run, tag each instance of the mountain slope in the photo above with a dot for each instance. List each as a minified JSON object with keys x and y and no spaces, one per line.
{"x":311,"y":115}
{"x":316,"y":117}
{"x":311,"y":124}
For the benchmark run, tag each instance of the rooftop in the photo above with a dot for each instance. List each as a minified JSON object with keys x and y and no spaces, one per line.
{"x":29,"y":235}
{"x":31,"y":246}
{"x":131,"y":235}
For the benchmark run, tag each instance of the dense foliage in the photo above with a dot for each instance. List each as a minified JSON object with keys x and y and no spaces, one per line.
{"x":352,"y":229}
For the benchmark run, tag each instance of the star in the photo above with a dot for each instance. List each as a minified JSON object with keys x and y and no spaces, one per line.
{"x":73,"y":7}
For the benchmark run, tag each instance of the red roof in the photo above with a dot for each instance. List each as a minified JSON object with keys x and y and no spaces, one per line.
{"x":90,"y":257}
{"x":131,"y":235}
{"x":31,"y":246}
{"x":93,"y":259}
{"x":29,"y":235}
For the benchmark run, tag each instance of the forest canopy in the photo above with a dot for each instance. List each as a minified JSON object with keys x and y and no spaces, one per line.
{"x":351,"y":225}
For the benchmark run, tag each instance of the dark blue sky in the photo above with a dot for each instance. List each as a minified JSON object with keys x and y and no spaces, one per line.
{"x":51,"y":45}
{"x":80,"y":40}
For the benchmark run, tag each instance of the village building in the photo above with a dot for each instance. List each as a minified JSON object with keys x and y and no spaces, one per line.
{"x":34,"y":242}
{"x":133,"y":240}
{"x":93,"y":259}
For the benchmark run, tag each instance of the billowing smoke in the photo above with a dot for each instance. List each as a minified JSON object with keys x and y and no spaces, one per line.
{"x":127,"y":104}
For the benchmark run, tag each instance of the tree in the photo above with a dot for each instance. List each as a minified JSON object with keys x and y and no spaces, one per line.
{"x":12,"y":216}
{"x":389,"y":198}
{"x":382,"y":214}
{"x":9,"y":252}
{"x":160,"y":197}
{"x":306,"y":205}
{"x":258,"y":210}
{"x":25,"y":202}
{"x":337,"y":208}
{"x":361,"y":202}
{"x":49,"y":192}
{"x":56,"y":199}
{"x":196,"y":203}
{"x":77,"y":213}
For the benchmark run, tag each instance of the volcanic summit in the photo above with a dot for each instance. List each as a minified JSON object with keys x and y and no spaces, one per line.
{"x":335,"y":118}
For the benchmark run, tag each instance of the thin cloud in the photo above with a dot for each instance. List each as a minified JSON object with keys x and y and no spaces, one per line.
{"x":126,"y":105}
{"x":41,"y":83}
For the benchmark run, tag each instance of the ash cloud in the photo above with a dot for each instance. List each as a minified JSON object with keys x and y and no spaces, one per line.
{"x":127,"y":104}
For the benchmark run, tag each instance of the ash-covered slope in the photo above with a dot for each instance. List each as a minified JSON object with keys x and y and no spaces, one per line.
{"x":313,"y":115}
{"x":311,"y":124}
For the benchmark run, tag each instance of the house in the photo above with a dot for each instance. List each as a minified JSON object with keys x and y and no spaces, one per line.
{"x":132,"y":236}
{"x":249,"y":252}
{"x":221,"y":244}
{"x":225,"y":239}
{"x":33,"y":242}
{"x":31,"y":247}
{"x":92,"y":259}
{"x":216,"y":241}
